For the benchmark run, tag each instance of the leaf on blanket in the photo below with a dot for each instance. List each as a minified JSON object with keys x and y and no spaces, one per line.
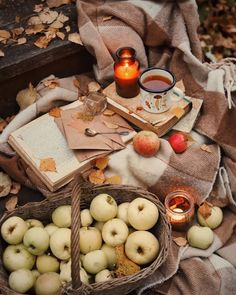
{"x":180,"y":241}
{"x":75,"y":38}
{"x":57,"y":3}
{"x":206,"y":148}
{"x":15,"y":188}
{"x":11,"y":203}
{"x":53,"y":83}
{"x":76,"y":83}
{"x":3,"y":124}
{"x":106,"y":18}
{"x":2,"y":53}
{"x":205,"y":210}
{"x":110,"y":125}
{"x":96,"y":176}
{"x":108,"y":113}
{"x":55,"y":112}
{"x":101,"y":163}
{"x":47,"y":164}
{"x":115,"y":179}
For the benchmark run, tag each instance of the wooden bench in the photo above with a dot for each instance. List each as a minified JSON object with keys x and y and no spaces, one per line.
{"x":27,"y":63}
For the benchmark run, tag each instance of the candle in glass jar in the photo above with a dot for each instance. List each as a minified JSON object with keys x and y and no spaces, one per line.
{"x":179,"y":210}
{"x":126,"y":72}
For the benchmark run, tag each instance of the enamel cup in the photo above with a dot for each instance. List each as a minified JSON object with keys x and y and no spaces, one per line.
{"x":157,"y":90}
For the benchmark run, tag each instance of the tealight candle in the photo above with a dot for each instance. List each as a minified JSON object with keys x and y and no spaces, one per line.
{"x":126,"y":72}
{"x":179,"y":210}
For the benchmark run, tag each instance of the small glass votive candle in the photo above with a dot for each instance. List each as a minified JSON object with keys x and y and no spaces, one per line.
{"x":179,"y":210}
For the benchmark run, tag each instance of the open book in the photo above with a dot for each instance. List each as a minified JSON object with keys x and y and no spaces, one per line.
{"x":42,"y":139}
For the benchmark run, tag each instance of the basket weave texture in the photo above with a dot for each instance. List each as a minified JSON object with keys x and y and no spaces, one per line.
{"x":80,"y":198}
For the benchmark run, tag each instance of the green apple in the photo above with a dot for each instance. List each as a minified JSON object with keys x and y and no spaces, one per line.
{"x":95,"y":261}
{"x":90,"y":239}
{"x":200,"y":237}
{"x":50,"y":228}
{"x":103,"y":207}
{"x":214,"y":220}
{"x":65,"y":271}
{"x":13,"y":230}
{"x":48,"y":284}
{"x":110,"y":253}
{"x":36,"y":240}
{"x":16,"y":257}
{"x":102,"y":276}
{"x":34,"y":223}
{"x":21,"y":280}
{"x":61,"y":216}
{"x":35,"y":274}
{"x":47,"y":263}
{"x":122,"y":212}
{"x":60,"y":243}
{"x":86,"y":217}
{"x":115,"y":232}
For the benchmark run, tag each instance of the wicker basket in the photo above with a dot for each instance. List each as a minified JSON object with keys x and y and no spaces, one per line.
{"x":82,"y":196}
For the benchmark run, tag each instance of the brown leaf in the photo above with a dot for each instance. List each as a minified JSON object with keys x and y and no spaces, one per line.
{"x":101,"y":163}
{"x":2,"y":53}
{"x":17,"y":32}
{"x":75,"y":38}
{"x":57,"y":25}
{"x":4,"y":35}
{"x":76,"y":83}
{"x":139,"y":108}
{"x":3,"y":124}
{"x":48,"y":16}
{"x":205,"y":210}
{"x":96,"y":177}
{"x":60,"y":35}
{"x":57,"y":3}
{"x":180,"y":241}
{"x":38,"y":7}
{"x":53,"y":83}
{"x":110,"y":125}
{"x":108,"y":113}
{"x":55,"y":112}
{"x":34,"y":29}
{"x":17,"y":19}
{"x":42,"y":42}
{"x":34,"y":20}
{"x":115,"y":179}
{"x":47,"y":164}
{"x":15,"y":188}
{"x":62,"y":18}
{"x":206,"y":148}
{"x":21,"y":41}
{"x":67,"y":28}
{"x":11,"y":203}
{"x":106,"y":18}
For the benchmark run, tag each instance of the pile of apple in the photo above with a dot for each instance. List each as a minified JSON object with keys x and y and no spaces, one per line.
{"x":39,"y":257}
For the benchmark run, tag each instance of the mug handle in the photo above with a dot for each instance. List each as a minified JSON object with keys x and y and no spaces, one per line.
{"x":177,"y":94}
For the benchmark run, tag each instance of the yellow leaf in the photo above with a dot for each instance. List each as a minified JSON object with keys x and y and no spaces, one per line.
{"x":11,"y":203}
{"x":96,"y":177}
{"x":108,"y":113}
{"x":47,"y":164}
{"x":180,"y":241}
{"x":178,"y":112}
{"x":55,"y":112}
{"x":115,"y":179}
{"x":101,"y":163}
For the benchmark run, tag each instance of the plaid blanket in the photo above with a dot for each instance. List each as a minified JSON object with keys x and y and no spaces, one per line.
{"x":164,"y":33}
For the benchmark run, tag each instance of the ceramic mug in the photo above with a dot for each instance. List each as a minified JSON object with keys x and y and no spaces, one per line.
{"x":158,"y":91}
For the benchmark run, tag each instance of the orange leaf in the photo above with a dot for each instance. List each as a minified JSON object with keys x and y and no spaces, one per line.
{"x":115,"y":179}
{"x":108,"y":113}
{"x":11,"y":203}
{"x":180,"y":241}
{"x":101,"y":163}
{"x":96,"y":177}
{"x":205,"y":210}
{"x":139,"y":108}
{"x":15,"y":188}
{"x":42,"y":42}
{"x":47,"y":164}
{"x":55,"y":112}
{"x":76,"y":83}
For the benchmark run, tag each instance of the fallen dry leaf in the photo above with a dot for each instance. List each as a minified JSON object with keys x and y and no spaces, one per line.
{"x":139,"y":108}
{"x":15,"y":188}
{"x":76,"y":83}
{"x":48,"y":16}
{"x":51,"y":33}
{"x":21,"y":41}
{"x":57,"y":3}
{"x":110,"y":125}
{"x":75,"y":38}
{"x":106,"y":18}
{"x":108,"y":113}
{"x":57,"y":25}
{"x":34,"y":29}
{"x":177,"y":111}
{"x":115,"y":179}
{"x":205,"y":210}
{"x":67,"y":28}
{"x":101,"y":163}
{"x":180,"y":241}
{"x":5,"y":34}
{"x":2,"y":53}
{"x":3,"y":124}
{"x":17,"y":19}
{"x":42,"y":42}
{"x":38,"y":7}
{"x":62,"y":18}
{"x":93,"y":86}
{"x":47,"y":164}
{"x":206,"y":148}
{"x":11,"y":203}
{"x":17,"y":32}
{"x":34,"y":20}
{"x":60,"y":35}
{"x":55,"y":112}
{"x":96,"y":177}
{"x":53,"y":83}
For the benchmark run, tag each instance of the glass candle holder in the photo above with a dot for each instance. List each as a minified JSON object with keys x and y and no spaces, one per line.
{"x":179,"y":210}
{"x":126,"y":72}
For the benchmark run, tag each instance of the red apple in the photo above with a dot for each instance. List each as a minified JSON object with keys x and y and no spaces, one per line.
{"x":179,"y":142}
{"x":146,"y":143}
